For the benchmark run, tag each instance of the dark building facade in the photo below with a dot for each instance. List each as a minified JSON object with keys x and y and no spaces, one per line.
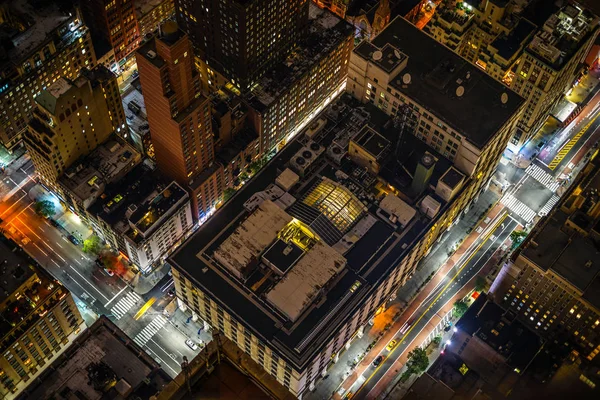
{"x":241,"y":39}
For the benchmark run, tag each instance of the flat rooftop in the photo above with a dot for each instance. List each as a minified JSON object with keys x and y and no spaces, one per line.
{"x":101,"y":353}
{"x":164,"y":203}
{"x":143,"y":7}
{"x":562,"y":34}
{"x":515,"y":41}
{"x":436,"y":73}
{"x":558,"y":244}
{"x":294,"y":270}
{"x":325,"y":32}
{"x":140,"y":185}
{"x":38,"y":21}
{"x":16,"y":268}
{"x":87,"y":178}
{"x":502,"y":332}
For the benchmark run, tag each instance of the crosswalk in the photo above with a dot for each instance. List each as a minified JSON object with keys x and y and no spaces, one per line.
{"x":543,"y":177}
{"x":150,"y":330}
{"x":549,"y":204}
{"x":518,"y":208}
{"x":124,"y":305}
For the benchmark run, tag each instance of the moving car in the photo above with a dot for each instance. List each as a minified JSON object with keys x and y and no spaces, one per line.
{"x":405,"y":327}
{"x":391,"y":345}
{"x":377,"y":361}
{"x":191,"y":344}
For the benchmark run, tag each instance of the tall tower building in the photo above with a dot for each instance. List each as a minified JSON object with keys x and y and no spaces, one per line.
{"x":115,"y":22}
{"x":178,"y":115}
{"x":71,"y":119}
{"x":242,"y":39}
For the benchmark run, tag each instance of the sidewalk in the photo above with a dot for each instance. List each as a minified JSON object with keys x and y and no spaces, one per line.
{"x":142,"y":284}
{"x":395,"y":389}
{"x":432,"y":269}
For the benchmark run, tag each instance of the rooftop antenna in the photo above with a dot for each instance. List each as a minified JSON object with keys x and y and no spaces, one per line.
{"x":377,"y":55}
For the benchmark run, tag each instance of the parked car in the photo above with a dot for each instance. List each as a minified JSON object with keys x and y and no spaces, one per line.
{"x":377,"y":361}
{"x":109,"y":272}
{"x":191,"y":344}
{"x":391,"y":344}
{"x":53,"y":222}
{"x":74,"y":240}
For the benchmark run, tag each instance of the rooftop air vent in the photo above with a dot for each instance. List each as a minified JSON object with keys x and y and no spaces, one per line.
{"x":460,"y":91}
{"x":377,"y":55}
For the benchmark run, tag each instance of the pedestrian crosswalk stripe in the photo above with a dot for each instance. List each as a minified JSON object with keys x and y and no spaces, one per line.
{"x":124,"y":305}
{"x":549,"y":205}
{"x":518,"y":208}
{"x":543,"y":177}
{"x":150,"y":330}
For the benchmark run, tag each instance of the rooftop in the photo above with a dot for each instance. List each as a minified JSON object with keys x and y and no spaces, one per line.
{"x":372,"y":142}
{"x":87,"y":178}
{"x":514,"y":42}
{"x":15,"y":267}
{"x":501,"y":331}
{"x":122,"y":197}
{"x":25,"y":291}
{"x":562,"y":35}
{"x":325,"y":32}
{"x":102,"y":356}
{"x":293,"y":261}
{"x":567,"y":240}
{"x":444,"y":83}
{"x":36,"y":22}
{"x":143,"y":7}
{"x":164,"y":203}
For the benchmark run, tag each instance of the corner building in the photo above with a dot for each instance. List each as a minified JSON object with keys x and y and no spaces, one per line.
{"x":552,"y":282}
{"x":38,"y":320}
{"x":293,"y":267}
{"x":71,"y":119}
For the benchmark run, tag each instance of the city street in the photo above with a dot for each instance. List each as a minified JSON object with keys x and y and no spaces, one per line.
{"x":163,"y":337}
{"x":372,"y":380}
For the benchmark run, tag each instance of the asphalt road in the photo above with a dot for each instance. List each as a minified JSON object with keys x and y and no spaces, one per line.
{"x":462,"y":272}
{"x":160,"y":336}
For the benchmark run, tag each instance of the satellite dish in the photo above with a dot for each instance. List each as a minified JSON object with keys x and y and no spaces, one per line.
{"x":377,"y":55}
{"x":460,"y":91}
{"x":397,"y":53}
{"x":504,"y":98}
{"x":406,"y":78}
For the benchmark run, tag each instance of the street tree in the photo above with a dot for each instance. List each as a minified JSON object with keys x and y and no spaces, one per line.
{"x":45,"y":208}
{"x":92,"y":245}
{"x":480,"y":284}
{"x":460,"y":308}
{"x":417,"y":361}
{"x":517,"y":238}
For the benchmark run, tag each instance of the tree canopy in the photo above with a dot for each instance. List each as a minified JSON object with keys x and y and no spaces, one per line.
{"x":417,"y":361}
{"x":460,"y":308}
{"x":45,"y":208}
{"x":92,"y":245}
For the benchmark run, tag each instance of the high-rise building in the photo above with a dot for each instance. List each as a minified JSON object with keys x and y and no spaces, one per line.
{"x":38,"y":319}
{"x":150,"y":13}
{"x":179,"y":115}
{"x":241,"y":40}
{"x":71,"y":118}
{"x":552,"y":282}
{"x":428,"y":89}
{"x":45,"y":44}
{"x":291,"y":94}
{"x":114,"y":22}
{"x":293,"y":267}
{"x":550,"y":64}
{"x":534,"y":47}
